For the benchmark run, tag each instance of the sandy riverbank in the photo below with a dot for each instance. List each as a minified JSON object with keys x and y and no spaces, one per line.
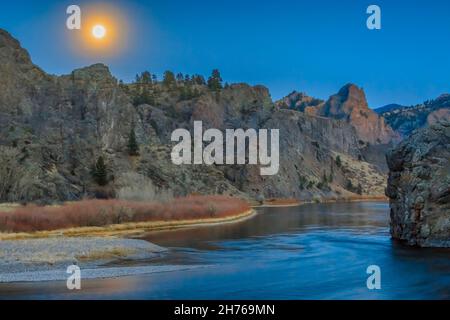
{"x":38,"y":258}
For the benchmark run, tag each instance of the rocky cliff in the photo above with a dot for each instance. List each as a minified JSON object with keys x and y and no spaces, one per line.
{"x":350,"y":105}
{"x":301,"y":102}
{"x":54,"y":128}
{"x":419,"y":188}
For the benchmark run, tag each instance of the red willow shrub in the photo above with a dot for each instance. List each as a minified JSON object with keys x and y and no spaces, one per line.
{"x":97,"y":213}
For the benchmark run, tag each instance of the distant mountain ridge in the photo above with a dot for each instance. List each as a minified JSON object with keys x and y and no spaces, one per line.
{"x":389,"y":107}
{"x":405,"y":119}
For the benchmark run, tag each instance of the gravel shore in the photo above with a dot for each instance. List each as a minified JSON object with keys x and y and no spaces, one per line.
{"x":95,"y":273}
{"x":47,"y":255}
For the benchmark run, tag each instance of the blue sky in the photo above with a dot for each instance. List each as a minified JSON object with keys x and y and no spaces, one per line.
{"x":311,"y":46}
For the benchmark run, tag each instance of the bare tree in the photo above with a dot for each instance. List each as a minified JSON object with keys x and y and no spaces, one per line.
{"x":18,"y":181}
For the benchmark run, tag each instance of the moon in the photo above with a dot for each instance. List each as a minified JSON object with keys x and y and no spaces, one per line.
{"x":99,"y":31}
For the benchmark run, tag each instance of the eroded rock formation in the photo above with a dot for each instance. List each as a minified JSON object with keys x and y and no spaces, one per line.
{"x":350,"y":104}
{"x":419,"y":188}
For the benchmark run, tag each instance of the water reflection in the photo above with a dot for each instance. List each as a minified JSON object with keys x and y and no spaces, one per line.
{"x":272,"y":221}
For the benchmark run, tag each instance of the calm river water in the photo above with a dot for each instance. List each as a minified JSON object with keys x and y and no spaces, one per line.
{"x":316,"y":251}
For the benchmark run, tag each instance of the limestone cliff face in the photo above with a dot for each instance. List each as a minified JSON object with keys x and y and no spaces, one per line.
{"x":419,"y":188}
{"x":53,"y":128}
{"x":350,"y":105}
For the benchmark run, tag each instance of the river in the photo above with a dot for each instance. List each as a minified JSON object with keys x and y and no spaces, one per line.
{"x":315,"y":251}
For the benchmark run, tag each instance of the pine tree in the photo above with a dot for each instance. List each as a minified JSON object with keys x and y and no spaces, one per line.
{"x":99,"y":172}
{"x":169,"y":79}
{"x":215,"y":81}
{"x":198,"y":79}
{"x":359,"y":189}
{"x":146,"y":77}
{"x":180,"y":77}
{"x":349,"y":185}
{"x":133,"y":147}
{"x":144,"y":97}
{"x":325,"y":178}
{"x":338,"y":161}
{"x":137,"y":79}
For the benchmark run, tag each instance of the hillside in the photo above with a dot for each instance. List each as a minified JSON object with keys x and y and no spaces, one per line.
{"x":54,"y":130}
{"x":405,"y":120}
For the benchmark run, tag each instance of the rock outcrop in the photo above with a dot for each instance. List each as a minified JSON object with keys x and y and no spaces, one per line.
{"x":438,"y":116}
{"x":350,"y":105}
{"x":301,"y":102}
{"x":419,"y":188}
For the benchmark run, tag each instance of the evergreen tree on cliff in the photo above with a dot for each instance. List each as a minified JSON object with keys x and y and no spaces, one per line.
{"x":133,"y":147}
{"x":338,"y":161}
{"x":99,"y":172}
{"x":215,"y":81}
{"x":169,"y":79}
{"x":146,"y":77}
{"x":198,"y":80}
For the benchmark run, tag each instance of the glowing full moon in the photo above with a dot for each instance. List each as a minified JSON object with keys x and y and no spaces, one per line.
{"x":99,"y":31}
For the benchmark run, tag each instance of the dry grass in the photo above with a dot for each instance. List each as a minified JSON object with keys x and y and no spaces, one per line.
{"x":126,"y":229}
{"x":361,"y":172}
{"x":282,"y":202}
{"x":103,"y":213}
{"x":7,"y":207}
